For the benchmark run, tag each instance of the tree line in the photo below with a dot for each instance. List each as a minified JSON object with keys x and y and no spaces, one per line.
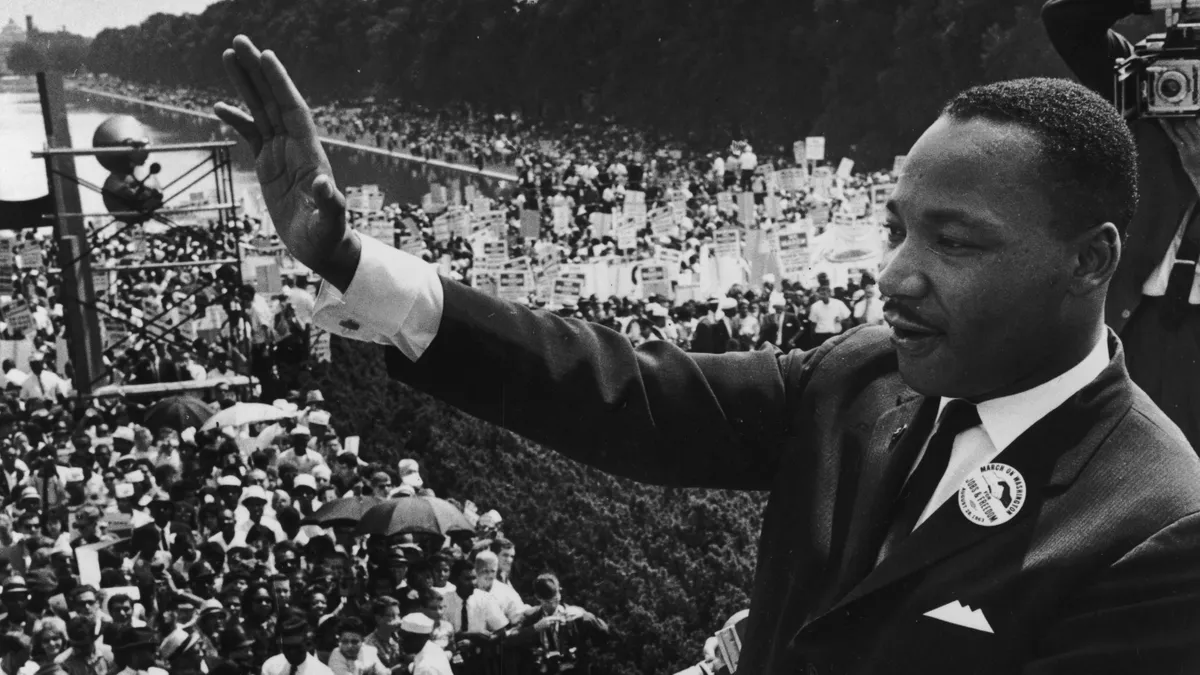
{"x":869,"y":75}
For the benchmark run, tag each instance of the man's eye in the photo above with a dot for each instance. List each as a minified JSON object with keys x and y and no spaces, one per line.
{"x":952,"y":244}
{"x":895,"y":234}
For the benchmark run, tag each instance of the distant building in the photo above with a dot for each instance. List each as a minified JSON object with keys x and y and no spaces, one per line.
{"x":10,"y":35}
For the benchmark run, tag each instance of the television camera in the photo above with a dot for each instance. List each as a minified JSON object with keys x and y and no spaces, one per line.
{"x":1162,"y":77}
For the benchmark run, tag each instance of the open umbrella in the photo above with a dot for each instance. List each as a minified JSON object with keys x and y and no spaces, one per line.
{"x":342,"y":511}
{"x":240,"y":414}
{"x":178,"y":413}
{"x":412,"y":515}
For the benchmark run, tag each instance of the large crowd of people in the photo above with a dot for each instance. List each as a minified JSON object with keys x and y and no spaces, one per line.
{"x":135,"y":543}
{"x":578,"y":175}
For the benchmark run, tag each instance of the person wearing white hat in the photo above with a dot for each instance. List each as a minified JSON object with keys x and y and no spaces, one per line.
{"x":428,"y":658}
{"x":302,"y":455}
{"x":304,"y":494}
{"x":409,"y":473}
{"x":253,"y":511}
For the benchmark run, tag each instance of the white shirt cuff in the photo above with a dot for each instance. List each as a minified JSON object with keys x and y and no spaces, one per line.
{"x":395,"y":298}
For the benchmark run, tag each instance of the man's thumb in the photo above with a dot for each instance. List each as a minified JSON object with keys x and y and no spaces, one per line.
{"x":329,"y":200}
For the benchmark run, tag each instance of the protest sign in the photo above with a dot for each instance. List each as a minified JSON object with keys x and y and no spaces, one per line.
{"x":794,"y":255}
{"x":814,"y":148}
{"x":800,"y":151}
{"x":567,"y":291}
{"x":662,"y":222}
{"x":655,"y":281}
{"x":29,"y":256}
{"x":513,"y":286}
{"x":18,"y":316}
{"x":562,"y":219}
{"x":635,"y":213}
{"x":480,"y":204}
{"x":267,"y":279}
{"x":356,"y":201}
{"x":470,"y":193}
{"x":672,"y":258}
{"x":601,"y":224}
{"x":627,"y":235}
{"x":792,"y":180}
{"x":531,"y":224}
{"x":845,"y":167}
{"x":494,"y":255}
{"x":100,"y":281}
{"x":725,"y":202}
{"x":746,"y":214}
{"x":773,"y":206}
{"x":728,"y":242}
{"x":635,"y":197}
{"x":8,"y":265}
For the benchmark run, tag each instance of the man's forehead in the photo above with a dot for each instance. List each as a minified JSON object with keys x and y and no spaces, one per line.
{"x":976,"y":169}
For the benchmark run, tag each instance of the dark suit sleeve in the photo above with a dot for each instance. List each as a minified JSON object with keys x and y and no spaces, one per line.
{"x":1081,"y":32}
{"x":654,"y":413}
{"x":1142,"y":615}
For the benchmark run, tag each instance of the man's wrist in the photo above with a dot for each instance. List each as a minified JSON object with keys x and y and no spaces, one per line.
{"x":340,"y":269}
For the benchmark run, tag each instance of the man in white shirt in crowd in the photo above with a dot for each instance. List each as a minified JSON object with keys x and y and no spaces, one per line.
{"x":827,"y":315}
{"x":748,"y":162}
{"x":296,"y":657}
{"x":43,"y":383}
{"x":475,"y":615}
{"x":869,"y":308}
{"x":300,"y":298}
{"x":301,"y":455}
{"x":487,"y":565}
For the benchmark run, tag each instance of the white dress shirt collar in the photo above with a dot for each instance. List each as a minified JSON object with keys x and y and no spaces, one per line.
{"x":1006,"y":418}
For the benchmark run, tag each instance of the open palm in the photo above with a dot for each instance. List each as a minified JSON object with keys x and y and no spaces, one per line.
{"x":297,"y":183}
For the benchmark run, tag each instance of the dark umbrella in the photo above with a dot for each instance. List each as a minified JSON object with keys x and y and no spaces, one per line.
{"x":347,"y":510}
{"x":412,"y":515}
{"x":178,"y":413}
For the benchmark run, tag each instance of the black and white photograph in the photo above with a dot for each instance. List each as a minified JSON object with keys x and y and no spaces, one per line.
{"x":540,"y":337}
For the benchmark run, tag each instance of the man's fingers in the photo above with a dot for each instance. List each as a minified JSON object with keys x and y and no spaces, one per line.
{"x":250,"y":60}
{"x":291,"y":104}
{"x":245,"y":88}
{"x":242,"y":123}
{"x":329,"y":200}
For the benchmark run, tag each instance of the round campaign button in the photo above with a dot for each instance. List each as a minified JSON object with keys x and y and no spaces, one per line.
{"x":992,"y":495}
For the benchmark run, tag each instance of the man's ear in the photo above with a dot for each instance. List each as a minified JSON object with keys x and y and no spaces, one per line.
{"x":1098,"y":252}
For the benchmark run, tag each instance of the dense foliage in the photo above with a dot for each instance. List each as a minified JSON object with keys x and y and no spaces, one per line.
{"x":867,"y":74}
{"x":63,"y":52}
{"x":664,"y":567}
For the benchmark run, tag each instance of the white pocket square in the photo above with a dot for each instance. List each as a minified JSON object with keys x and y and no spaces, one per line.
{"x":961,"y":615}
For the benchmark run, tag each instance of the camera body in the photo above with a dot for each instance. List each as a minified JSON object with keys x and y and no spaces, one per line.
{"x":1162,"y":77}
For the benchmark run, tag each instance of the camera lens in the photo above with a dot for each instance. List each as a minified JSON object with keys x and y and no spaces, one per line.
{"x":1171,"y":86}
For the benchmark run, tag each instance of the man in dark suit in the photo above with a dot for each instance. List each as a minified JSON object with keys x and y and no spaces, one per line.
{"x":1154,"y":298}
{"x":887,"y":545}
{"x":780,"y":327}
{"x":715,"y":332}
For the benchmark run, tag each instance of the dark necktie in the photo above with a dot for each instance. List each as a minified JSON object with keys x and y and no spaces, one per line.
{"x":958,"y":416}
{"x":464,"y":615}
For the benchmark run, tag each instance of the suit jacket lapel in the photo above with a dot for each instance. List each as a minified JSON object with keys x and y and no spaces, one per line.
{"x":895,"y":442}
{"x":1049,"y":455}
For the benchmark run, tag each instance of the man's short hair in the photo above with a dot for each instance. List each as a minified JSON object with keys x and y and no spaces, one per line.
{"x":501,"y":544}
{"x":459,"y":567}
{"x":117,"y":599}
{"x":546,"y":586}
{"x":1089,"y":159}
{"x":382,"y":604}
